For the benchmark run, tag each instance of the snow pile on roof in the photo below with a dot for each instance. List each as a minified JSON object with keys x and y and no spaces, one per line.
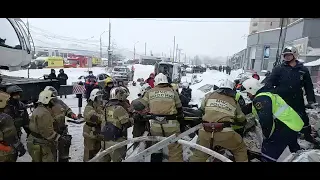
{"x":314,"y":52}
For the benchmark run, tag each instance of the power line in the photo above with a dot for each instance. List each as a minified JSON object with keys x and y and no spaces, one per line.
{"x":195,"y":21}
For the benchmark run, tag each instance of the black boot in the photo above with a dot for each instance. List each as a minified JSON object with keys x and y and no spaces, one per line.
{"x":156,"y":157}
{"x":64,"y":160}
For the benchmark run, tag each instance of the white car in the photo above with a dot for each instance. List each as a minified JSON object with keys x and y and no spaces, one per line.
{"x":122,"y":73}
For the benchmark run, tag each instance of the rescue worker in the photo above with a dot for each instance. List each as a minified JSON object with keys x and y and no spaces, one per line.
{"x":279,"y":122}
{"x":90,"y":84}
{"x":43,"y":141}
{"x":185,"y":95}
{"x":60,"y":111}
{"x":10,"y":145}
{"x":139,"y":108}
{"x":150,"y":80}
{"x":93,"y":117}
{"x":163,"y":101}
{"x":220,"y":68}
{"x":125,"y":103}
{"x":52,"y":75}
{"x":115,"y":125}
{"x":107,"y":88}
{"x":288,"y":79}
{"x":221,"y":111}
{"x":62,"y":77}
{"x":17,"y":110}
{"x":91,"y":76}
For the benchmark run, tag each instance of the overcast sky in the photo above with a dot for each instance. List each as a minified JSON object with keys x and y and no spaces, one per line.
{"x":211,"y":37}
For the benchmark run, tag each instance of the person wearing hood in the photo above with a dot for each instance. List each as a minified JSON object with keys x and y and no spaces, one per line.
{"x":62,"y":77}
{"x":279,"y":122}
{"x":287,"y":80}
{"x":150,"y":80}
{"x":52,"y":75}
{"x":107,"y":88}
{"x":17,"y":110}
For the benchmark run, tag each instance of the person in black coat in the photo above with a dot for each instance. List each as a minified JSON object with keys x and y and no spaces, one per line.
{"x":287,"y":80}
{"x":185,"y":95}
{"x":52,"y":75}
{"x":62,"y":77}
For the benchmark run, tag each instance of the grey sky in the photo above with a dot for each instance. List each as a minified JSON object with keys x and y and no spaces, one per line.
{"x":214,"y":37}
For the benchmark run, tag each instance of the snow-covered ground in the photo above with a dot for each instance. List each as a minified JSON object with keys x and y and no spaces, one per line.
{"x":210,"y":77}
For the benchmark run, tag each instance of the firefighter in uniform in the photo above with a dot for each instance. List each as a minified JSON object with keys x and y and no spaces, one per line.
{"x":164,"y":101}
{"x":43,"y":141}
{"x":17,"y":110}
{"x":279,"y":122}
{"x":139,"y":108}
{"x":221,"y":110}
{"x":107,"y":88}
{"x":93,"y":116}
{"x":115,"y":125}
{"x":10,"y":145}
{"x":60,"y":111}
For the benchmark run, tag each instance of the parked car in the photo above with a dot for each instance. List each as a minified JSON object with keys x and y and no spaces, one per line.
{"x":122,"y":73}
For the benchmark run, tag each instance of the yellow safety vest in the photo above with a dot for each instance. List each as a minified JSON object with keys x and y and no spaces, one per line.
{"x":283,"y":112}
{"x":237,"y":97}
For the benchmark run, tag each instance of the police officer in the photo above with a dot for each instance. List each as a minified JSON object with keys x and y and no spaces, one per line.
{"x":60,"y":111}
{"x":43,"y":141}
{"x":221,"y":109}
{"x":164,"y":101}
{"x":139,"y":108}
{"x":52,"y":75}
{"x":93,"y":116}
{"x":115,"y":125}
{"x":17,"y":110}
{"x":289,"y":78}
{"x":10,"y":145}
{"x":62,"y":77}
{"x":279,"y":122}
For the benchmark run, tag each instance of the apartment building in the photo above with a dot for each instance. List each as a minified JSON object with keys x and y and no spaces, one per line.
{"x":262,"y":24}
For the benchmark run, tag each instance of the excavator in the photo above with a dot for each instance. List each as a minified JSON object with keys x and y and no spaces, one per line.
{"x":16,"y":51}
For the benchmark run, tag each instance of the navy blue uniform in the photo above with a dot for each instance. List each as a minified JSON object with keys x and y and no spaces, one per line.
{"x":288,"y":82}
{"x":283,"y":136}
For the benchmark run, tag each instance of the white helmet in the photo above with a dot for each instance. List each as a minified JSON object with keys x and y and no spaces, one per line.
{"x":160,"y":79}
{"x":95,"y":93}
{"x":226,"y":83}
{"x":45,"y":97}
{"x":185,"y":85}
{"x":252,"y":85}
{"x":118,"y":93}
{"x":290,"y":50}
{"x":51,"y":88}
{"x":144,"y":89}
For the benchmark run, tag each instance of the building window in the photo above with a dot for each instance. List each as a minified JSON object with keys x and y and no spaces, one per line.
{"x":270,"y":23}
{"x":254,"y":24}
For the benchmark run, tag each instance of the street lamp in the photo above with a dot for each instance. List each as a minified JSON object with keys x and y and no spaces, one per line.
{"x":101,"y":43}
{"x":134,"y":50}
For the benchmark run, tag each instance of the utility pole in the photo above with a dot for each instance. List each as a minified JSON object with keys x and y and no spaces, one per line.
{"x":109,"y":46}
{"x":177,"y":49}
{"x":134,"y":50}
{"x":185,"y":57}
{"x":28,"y":28}
{"x":281,"y":42}
{"x":179,"y":54}
{"x":145,"y":48}
{"x":174,"y":44}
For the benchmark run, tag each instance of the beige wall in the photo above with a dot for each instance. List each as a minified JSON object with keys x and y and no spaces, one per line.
{"x":261,"y":24}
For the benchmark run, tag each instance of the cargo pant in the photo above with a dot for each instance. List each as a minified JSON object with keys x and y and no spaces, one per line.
{"x":41,"y":150}
{"x":116,"y":156}
{"x":175,"y":150}
{"x":91,"y":142}
{"x":63,"y":152}
{"x":8,"y":155}
{"x":228,"y":140}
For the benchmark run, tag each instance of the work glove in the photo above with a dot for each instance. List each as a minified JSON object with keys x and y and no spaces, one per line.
{"x":19,"y":148}
{"x":137,"y":117}
{"x":74,"y":116}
